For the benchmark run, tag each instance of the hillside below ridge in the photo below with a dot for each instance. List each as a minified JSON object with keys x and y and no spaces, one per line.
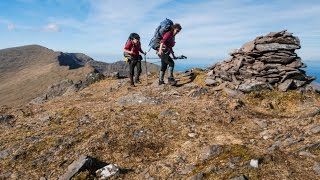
{"x":165,"y":132}
{"x":26,"y":72}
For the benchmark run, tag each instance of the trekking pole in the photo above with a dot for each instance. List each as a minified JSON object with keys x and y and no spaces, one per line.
{"x":145,"y":60}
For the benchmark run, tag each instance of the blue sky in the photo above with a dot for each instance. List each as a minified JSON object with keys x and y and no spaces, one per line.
{"x":211,"y":28}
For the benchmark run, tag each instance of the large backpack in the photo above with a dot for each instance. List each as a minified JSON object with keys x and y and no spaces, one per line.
{"x":164,"y":27}
{"x":132,"y":36}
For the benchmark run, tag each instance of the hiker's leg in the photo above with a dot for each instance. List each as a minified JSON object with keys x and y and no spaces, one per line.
{"x":131,"y":71}
{"x":171,"y":79}
{"x":161,"y":76}
{"x":171,"y":67}
{"x":138,"y":71}
{"x":135,"y":62}
{"x":164,"y":62}
{"x":164,"y":65}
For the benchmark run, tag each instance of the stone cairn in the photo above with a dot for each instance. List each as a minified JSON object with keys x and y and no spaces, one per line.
{"x":268,"y":62}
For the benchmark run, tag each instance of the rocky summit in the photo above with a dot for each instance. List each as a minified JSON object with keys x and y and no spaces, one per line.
{"x":268,"y":62}
{"x":188,"y":131}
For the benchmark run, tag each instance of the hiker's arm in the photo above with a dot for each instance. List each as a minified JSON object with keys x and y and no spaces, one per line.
{"x":172,"y":52}
{"x":127,"y":47}
{"x":127,"y":51}
{"x":163,"y":42}
{"x":160,"y":49}
{"x":142,"y":51}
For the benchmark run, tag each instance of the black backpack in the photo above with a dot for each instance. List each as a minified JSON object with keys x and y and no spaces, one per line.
{"x":164,"y":27}
{"x":133,"y":36}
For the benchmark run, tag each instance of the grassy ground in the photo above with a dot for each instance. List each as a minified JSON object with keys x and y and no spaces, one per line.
{"x":165,"y":137}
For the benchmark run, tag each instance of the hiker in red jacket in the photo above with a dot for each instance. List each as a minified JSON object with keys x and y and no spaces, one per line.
{"x":164,"y":51}
{"x":131,"y":50}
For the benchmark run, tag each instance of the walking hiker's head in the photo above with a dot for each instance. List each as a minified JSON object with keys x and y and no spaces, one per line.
{"x":176,"y":28}
{"x":135,"y":38}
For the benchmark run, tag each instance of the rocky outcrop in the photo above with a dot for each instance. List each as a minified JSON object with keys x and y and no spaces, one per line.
{"x":268,"y":62}
{"x":67,"y":86}
{"x":81,"y":164}
{"x":6,"y":118}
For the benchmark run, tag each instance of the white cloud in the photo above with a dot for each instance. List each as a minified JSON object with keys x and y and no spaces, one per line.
{"x":226,"y":25}
{"x":210,"y":28}
{"x":51,"y":28}
{"x":216,"y":25}
{"x":11,"y":27}
{"x":80,"y":26}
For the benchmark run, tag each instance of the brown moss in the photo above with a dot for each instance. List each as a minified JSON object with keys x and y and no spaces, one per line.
{"x":236,"y":151}
{"x":84,"y":175}
{"x":200,"y":77}
{"x":277,"y":103}
{"x":316,"y":152}
{"x":151,"y":116}
{"x":200,"y":80}
{"x":220,"y":161}
{"x":72,"y":113}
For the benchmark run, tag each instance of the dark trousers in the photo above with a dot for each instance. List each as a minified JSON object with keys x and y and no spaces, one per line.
{"x":165,"y":61}
{"x":135,"y":62}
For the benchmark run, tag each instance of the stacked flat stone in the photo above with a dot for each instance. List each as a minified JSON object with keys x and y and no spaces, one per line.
{"x":268,"y":62}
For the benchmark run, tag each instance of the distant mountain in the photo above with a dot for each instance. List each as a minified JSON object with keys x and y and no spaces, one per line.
{"x":76,"y":60}
{"x":27,"y":71}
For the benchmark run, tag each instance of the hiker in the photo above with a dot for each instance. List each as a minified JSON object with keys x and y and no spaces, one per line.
{"x":164,"y":51}
{"x":131,"y":51}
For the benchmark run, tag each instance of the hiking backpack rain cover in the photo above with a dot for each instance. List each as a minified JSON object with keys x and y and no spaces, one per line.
{"x":160,"y":31}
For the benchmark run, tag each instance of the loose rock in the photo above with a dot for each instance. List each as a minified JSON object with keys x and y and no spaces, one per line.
{"x":254,"y":163}
{"x":266,"y":63}
{"x":107,"y":171}
{"x":316,"y":167}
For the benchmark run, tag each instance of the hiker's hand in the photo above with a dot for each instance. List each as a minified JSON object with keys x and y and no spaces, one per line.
{"x":131,"y":52}
{"x":145,"y":53}
{"x":160,"y":52}
{"x":174,"y":57}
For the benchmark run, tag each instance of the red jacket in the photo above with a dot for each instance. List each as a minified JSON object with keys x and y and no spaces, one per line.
{"x":168,"y":40}
{"x":134,"y":47}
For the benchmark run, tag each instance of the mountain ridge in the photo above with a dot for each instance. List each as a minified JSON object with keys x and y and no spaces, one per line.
{"x":27,"y":71}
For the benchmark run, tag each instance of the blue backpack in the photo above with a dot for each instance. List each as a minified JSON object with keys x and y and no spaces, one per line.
{"x":164,"y":27}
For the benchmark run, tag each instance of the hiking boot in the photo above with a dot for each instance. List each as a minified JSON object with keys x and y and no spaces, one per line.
{"x":138,"y":81}
{"x":131,"y":84}
{"x":172,"y":81}
{"x":161,"y":82}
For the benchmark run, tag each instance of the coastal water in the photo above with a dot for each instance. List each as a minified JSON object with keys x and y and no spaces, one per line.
{"x":312,"y":69}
